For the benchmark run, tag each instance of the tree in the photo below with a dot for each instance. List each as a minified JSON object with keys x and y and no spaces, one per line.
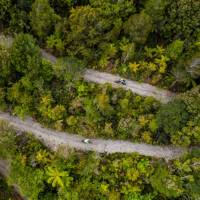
{"x":5,"y":5}
{"x":102,"y":102}
{"x":30,"y":180}
{"x":43,"y":157}
{"x":155,"y":9}
{"x":128,"y":128}
{"x":172,"y":116}
{"x":56,"y":178}
{"x":20,"y":94}
{"x":42,"y":18}
{"x":5,"y":66}
{"x":192,"y":101}
{"x":175,"y":49}
{"x":25,"y":55}
{"x":19,"y":20}
{"x":62,"y":7}
{"x":138,"y":27}
{"x":193,"y":67}
{"x":165,"y":183}
{"x":89,"y":25}
{"x":128,"y":50}
{"x":138,"y":196}
{"x":24,"y":4}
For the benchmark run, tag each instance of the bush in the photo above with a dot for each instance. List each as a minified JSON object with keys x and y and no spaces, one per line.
{"x":172,"y":116}
{"x":175,"y":49}
{"x":138,"y":27}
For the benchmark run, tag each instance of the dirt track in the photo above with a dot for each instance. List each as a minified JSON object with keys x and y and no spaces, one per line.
{"x":143,"y":89}
{"x":54,"y":140}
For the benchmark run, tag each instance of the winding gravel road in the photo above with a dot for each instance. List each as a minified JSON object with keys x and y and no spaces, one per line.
{"x":143,"y":89}
{"x":55,"y":140}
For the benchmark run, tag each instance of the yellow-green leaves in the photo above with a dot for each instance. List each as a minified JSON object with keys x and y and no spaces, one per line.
{"x":56,"y":177}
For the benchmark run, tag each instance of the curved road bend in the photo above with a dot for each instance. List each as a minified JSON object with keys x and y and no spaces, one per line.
{"x":54,"y":140}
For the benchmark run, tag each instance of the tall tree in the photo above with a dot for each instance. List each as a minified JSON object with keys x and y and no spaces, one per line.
{"x":138,"y":27}
{"x":25,"y":54}
{"x":43,"y":18}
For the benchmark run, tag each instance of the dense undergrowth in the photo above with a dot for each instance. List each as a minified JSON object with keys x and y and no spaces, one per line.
{"x":42,"y":174}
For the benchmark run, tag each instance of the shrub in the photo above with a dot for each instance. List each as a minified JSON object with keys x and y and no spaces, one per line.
{"x":172,"y":116}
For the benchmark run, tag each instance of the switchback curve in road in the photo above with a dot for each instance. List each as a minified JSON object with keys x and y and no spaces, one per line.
{"x":55,"y":140}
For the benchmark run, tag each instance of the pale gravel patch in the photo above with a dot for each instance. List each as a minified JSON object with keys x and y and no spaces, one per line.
{"x":4,"y":168}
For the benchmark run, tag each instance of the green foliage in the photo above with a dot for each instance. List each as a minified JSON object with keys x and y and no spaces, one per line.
{"x":153,"y":68}
{"x":4,"y":65}
{"x":30,"y":181}
{"x":4,"y":9}
{"x":192,"y":100}
{"x":30,"y":74}
{"x":25,"y":54}
{"x":62,"y":6}
{"x":19,"y":20}
{"x":143,"y":40}
{"x":42,"y":18}
{"x":5,"y":190}
{"x":156,"y":8}
{"x":190,"y":133}
{"x":136,"y":196}
{"x":89,"y":25}
{"x":182,"y":20}
{"x":138,"y":27}
{"x":172,"y":116}
{"x":55,"y":177}
{"x":7,"y":141}
{"x":193,"y":66}
{"x":175,"y":49}
{"x":69,"y":69}
{"x":165,"y":183}
{"x":128,"y":50}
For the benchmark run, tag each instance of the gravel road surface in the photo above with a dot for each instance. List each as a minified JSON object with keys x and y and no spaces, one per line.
{"x":54,"y":140}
